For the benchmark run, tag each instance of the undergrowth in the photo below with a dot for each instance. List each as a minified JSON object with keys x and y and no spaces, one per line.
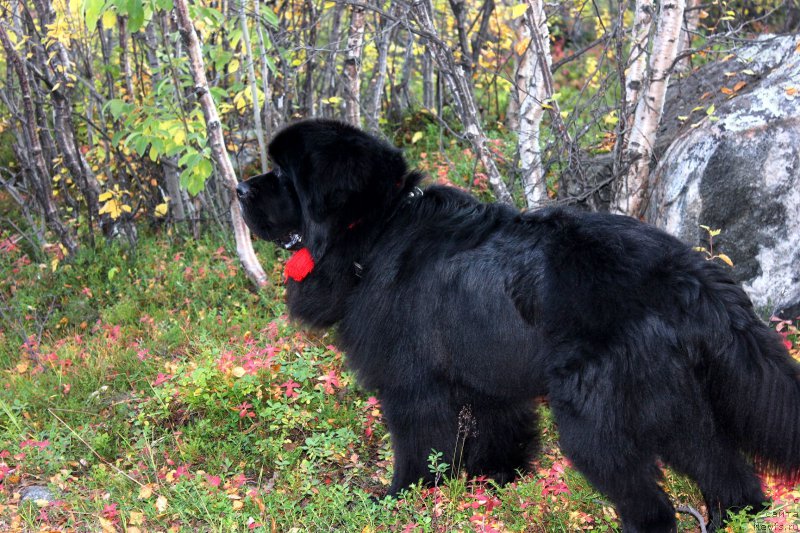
{"x":154,"y":390}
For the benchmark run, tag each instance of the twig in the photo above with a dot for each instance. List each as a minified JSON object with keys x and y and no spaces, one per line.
{"x":114,"y":467}
{"x":688,"y":509}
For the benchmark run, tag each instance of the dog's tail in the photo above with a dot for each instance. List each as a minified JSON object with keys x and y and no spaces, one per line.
{"x":754,"y":382}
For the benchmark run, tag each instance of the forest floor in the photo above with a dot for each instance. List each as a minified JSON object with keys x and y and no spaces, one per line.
{"x":153,"y":390}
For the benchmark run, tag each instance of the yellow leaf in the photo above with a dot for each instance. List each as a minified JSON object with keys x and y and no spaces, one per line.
{"x":22,"y":367}
{"x":105,"y":196}
{"x":55,"y":87}
{"x":54,"y":265}
{"x":145,"y":492}
{"x":333,"y":100}
{"x":161,"y":504}
{"x":233,"y":66}
{"x":416,"y":137}
{"x":107,"y":525}
{"x":237,"y":504}
{"x":112,"y":208}
{"x":328,"y":5}
{"x":518,"y":10}
{"x":725,"y":259}
{"x":239,"y":371}
{"x":126,"y":208}
{"x":109,"y":19}
{"x":161,"y":209}
{"x":136,"y":518}
{"x":522,"y":46}
{"x":714,"y":232}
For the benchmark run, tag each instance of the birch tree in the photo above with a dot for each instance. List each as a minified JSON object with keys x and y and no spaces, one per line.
{"x":631,"y":195}
{"x":455,"y":78}
{"x":533,"y":93}
{"x":251,"y":79}
{"x":352,"y":67}
{"x":640,"y":38}
{"x":39,"y":178}
{"x":244,"y":246}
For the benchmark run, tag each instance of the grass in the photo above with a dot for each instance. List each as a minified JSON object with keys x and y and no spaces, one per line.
{"x":154,"y":390}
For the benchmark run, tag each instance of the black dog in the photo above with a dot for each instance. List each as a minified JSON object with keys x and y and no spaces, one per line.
{"x":461,"y":313}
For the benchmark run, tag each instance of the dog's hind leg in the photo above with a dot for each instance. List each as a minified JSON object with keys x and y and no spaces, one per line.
{"x":602,"y":450}
{"x":726,"y":480}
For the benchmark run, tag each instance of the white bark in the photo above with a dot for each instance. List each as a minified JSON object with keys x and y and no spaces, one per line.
{"x":640,"y":38}
{"x":631,"y":196}
{"x":690,"y":23}
{"x":532,"y":91}
{"x":251,"y":74}
{"x":352,"y":67}
{"x":244,"y":246}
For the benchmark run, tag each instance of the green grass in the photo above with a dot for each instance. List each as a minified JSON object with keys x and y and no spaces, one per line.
{"x":156,"y":391}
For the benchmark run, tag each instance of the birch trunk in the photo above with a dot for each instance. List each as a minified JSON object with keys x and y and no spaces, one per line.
{"x":251,"y":74}
{"x":642,"y":22}
{"x":307,"y":98}
{"x":169,"y":165}
{"x":463,"y":97}
{"x":352,"y":67}
{"x":266,"y":111}
{"x":533,"y":92}
{"x":329,"y":78}
{"x":124,"y":58}
{"x":383,"y":40}
{"x":65,"y":131}
{"x":630,"y":198}
{"x":690,"y":21}
{"x":244,"y":246}
{"x":40,"y":177}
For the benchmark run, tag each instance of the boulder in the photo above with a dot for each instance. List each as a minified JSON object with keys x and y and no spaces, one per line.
{"x":737,"y":169}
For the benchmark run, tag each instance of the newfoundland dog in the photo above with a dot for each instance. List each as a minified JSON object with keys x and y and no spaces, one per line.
{"x":460,"y":314}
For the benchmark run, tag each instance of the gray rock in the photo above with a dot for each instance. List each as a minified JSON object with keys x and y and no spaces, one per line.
{"x":739,"y":171}
{"x":36,"y":492}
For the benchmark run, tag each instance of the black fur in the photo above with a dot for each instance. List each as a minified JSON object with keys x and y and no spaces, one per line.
{"x":463,"y":313}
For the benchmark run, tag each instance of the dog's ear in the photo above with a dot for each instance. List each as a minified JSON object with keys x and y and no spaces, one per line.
{"x":343,"y":177}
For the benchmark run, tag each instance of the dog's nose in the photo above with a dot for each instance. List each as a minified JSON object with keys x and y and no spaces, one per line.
{"x":242,"y":190}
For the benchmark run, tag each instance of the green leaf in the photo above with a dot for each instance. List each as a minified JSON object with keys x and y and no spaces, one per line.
{"x":92,"y":10}
{"x":270,"y":17}
{"x":135,"y":15}
{"x":116,"y":107}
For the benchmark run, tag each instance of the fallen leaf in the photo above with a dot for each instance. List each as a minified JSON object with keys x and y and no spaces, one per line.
{"x":136,"y":518}
{"x":161,"y":504}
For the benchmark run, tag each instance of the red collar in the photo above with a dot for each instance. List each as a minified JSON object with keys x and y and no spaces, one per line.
{"x":299,"y":265}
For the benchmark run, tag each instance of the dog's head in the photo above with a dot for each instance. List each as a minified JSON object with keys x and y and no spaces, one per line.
{"x":327,"y":177}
